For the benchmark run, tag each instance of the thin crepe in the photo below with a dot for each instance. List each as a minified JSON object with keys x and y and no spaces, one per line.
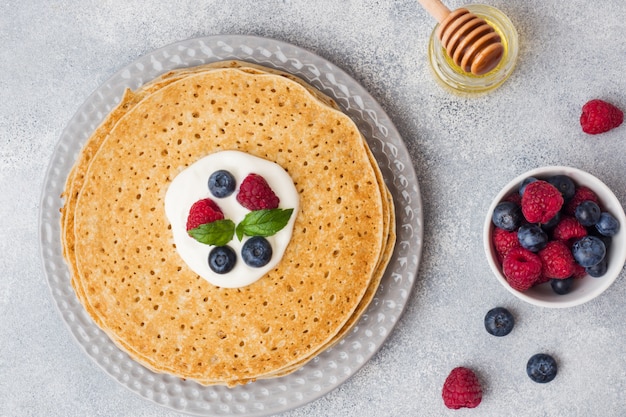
{"x":132,"y":282}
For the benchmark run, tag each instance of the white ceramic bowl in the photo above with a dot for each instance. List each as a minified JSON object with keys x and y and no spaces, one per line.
{"x":584,"y":289}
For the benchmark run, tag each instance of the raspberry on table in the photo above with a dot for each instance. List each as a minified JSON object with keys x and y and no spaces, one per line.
{"x":541,"y":202}
{"x":256,"y":194}
{"x":522,"y":268}
{"x":557,"y":260}
{"x":462,"y":389}
{"x":598,"y":116}
{"x":202,"y":212}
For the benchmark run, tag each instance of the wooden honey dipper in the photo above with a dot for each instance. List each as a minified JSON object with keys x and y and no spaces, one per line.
{"x":469,"y":41}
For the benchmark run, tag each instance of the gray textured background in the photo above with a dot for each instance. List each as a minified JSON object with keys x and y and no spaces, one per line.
{"x":54,"y":54}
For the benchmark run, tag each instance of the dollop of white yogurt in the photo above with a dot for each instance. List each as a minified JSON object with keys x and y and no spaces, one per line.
{"x":191,"y":185}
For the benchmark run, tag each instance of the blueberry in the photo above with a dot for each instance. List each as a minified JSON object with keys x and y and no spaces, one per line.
{"x":607,"y":241}
{"x":564,"y":184}
{"x":587,"y":213}
{"x":222,"y":183}
{"x":532,"y":237}
{"x":499,"y":321}
{"x":588,"y":251}
{"x":524,"y":183}
{"x":562,"y":286}
{"x":222,"y":259}
{"x":598,"y":270}
{"x":541,"y":368}
{"x":607,"y":225}
{"x":507,"y":215}
{"x":256,"y":252}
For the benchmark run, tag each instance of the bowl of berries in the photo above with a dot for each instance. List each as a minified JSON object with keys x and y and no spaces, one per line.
{"x":555,"y":237}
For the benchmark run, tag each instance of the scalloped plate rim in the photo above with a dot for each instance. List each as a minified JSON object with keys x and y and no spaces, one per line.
{"x":406,"y":256}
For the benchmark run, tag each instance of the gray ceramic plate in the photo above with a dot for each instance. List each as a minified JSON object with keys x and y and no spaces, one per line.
{"x":332,"y":367}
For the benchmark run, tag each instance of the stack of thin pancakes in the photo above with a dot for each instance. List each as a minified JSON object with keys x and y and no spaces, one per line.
{"x":119,"y":246}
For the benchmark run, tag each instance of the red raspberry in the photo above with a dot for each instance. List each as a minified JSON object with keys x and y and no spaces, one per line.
{"x":202,"y":212}
{"x":461,"y":389}
{"x":256,"y":194}
{"x":541,"y":201}
{"x":522,"y":268}
{"x":598,"y":116}
{"x":541,"y":280}
{"x":582,"y":194}
{"x":579,"y":271}
{"x":557,"y":260}
{"x":504,"y":241}
{"x":568,"y":229}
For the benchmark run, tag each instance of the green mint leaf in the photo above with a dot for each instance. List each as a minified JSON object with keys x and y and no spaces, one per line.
{"x":263,"y":222}
{"x":217,"y":233}
{"x":239,"y":230}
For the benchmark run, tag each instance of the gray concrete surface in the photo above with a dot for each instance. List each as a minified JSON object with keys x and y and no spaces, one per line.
{"x":54,"y":54}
